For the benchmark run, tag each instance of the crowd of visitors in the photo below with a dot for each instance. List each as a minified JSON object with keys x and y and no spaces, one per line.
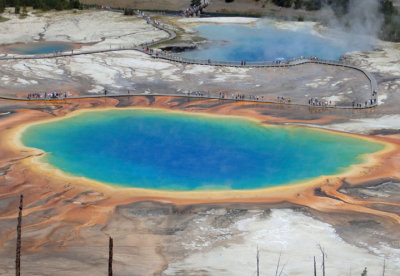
{"x":256,"y":98}
{"x":369,"y":103}
{"x":317,"y":102}
{"x":47,"y":95}
{"x":283,"y":99}
{"x":196,"y":9}
{"x":240,"y":97}
{"x":197,"y":93}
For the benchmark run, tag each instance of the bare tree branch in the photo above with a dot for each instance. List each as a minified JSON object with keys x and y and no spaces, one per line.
{"x":18,"y":249}
{"x":323,"y":258}
{"x":277,"y":266}
{"x":280,"y":273}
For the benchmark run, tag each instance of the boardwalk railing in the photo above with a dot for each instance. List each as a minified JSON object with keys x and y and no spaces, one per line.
{"x":279,"y":64}
{"x":195,"y":95}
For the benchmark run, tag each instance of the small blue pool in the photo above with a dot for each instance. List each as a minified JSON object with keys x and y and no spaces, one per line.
{"x":40,"y":48}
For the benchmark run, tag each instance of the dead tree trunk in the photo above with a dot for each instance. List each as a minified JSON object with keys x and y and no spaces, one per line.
{"x":277,"y":266}
{"x":384,"y":267}
{"x":110,"y":256}
{"x":315,"y":267}
{"x":18,"y":249}
{"x":323,"y":259}
{"x":258,"y":262}
{"x":364,"y":273}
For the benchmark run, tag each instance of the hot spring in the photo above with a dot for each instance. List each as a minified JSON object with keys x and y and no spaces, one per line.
{"x":40,"y":48}
{"x":173,"y":151}
{"x":263,"y":41}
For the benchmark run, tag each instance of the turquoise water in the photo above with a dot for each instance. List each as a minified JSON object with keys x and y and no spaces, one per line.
{"x":175,"y":151}
{"x":40,"y":48}
{"x":264,"y":42}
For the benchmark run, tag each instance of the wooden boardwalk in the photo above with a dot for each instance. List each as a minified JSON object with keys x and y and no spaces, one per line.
{"x":196,"y":95}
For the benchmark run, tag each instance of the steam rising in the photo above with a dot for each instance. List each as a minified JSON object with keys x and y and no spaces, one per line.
{"x":360,"y":25}
{"x":356,"y":29}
